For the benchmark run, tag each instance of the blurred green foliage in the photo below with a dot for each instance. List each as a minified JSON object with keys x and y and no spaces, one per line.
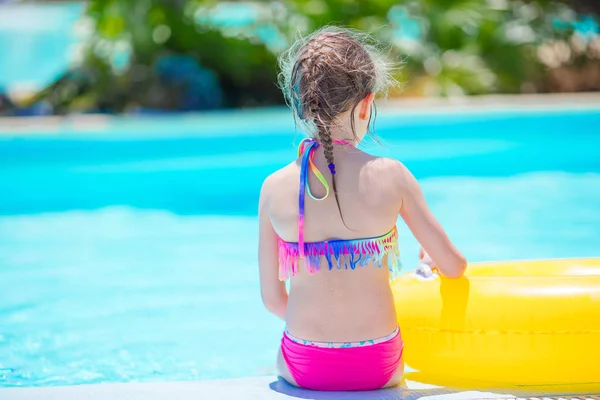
{"x":193,"y":54}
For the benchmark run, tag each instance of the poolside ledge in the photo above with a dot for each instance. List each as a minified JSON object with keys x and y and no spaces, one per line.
{"x":257,"y":388}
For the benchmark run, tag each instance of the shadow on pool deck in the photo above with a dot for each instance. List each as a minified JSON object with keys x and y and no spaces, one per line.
{"x":405,"y":391}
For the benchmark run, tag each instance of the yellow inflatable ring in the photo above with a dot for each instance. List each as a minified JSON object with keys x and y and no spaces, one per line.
{"x":513,"y":323}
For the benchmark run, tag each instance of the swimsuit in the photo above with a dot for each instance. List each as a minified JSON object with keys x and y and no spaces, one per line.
{"x":362,"y":365}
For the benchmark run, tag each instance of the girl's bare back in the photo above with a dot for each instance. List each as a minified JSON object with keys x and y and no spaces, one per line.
{"x":340,"y":305}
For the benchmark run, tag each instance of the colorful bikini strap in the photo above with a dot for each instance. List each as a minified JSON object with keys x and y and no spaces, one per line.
{"x":306,"y":150}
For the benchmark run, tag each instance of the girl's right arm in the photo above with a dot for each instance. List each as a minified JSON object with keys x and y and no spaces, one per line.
{"x":449,"y":260}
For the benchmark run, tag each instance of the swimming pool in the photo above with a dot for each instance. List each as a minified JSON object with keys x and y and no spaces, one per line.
{"x":127,"y":247}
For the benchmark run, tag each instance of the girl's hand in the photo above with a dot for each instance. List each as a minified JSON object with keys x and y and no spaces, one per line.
{"x":427,"y":267}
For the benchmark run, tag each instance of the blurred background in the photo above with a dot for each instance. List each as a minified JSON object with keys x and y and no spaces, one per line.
{"x":135,"y":136}
{"x":113,"y":56}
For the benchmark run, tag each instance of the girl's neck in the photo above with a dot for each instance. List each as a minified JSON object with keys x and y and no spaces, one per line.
{"x":344,"y":142}
{"x":345,"y":133}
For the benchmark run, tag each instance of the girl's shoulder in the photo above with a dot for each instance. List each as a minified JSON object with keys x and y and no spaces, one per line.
{"x":386,"y":165}
{"x":393,"y":171}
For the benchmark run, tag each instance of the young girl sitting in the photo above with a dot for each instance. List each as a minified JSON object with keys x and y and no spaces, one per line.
{"x":328,"y":223}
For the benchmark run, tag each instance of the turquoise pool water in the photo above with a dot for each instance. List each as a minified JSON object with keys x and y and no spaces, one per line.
{"x":127,"y":248}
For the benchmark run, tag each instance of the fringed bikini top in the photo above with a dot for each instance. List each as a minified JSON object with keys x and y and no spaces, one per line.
{"x":339,"y":253}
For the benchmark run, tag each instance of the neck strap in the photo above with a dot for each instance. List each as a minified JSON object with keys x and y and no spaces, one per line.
{"x":306,"y":150}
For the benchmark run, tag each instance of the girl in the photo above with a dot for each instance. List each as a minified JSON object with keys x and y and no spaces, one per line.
{"x":335,"y":238}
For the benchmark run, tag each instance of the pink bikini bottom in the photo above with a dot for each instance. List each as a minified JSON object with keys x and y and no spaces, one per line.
{"x":364,"y":365}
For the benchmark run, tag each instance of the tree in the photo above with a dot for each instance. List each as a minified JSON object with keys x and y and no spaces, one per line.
{"x":194,"y":54}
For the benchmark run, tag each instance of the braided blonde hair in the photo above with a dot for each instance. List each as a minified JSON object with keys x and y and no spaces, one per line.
{"x":328,"y":73}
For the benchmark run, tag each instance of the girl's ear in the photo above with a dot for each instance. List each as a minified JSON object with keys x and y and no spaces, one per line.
{"x":365,"y":106}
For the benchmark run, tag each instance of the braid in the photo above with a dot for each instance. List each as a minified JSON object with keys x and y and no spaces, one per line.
{"x":327,"y":143}
{"x":321,"y":114}
{"x":312,"y":76}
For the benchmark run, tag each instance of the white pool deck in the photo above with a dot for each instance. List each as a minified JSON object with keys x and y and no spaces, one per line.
{"x":259,"y":388}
